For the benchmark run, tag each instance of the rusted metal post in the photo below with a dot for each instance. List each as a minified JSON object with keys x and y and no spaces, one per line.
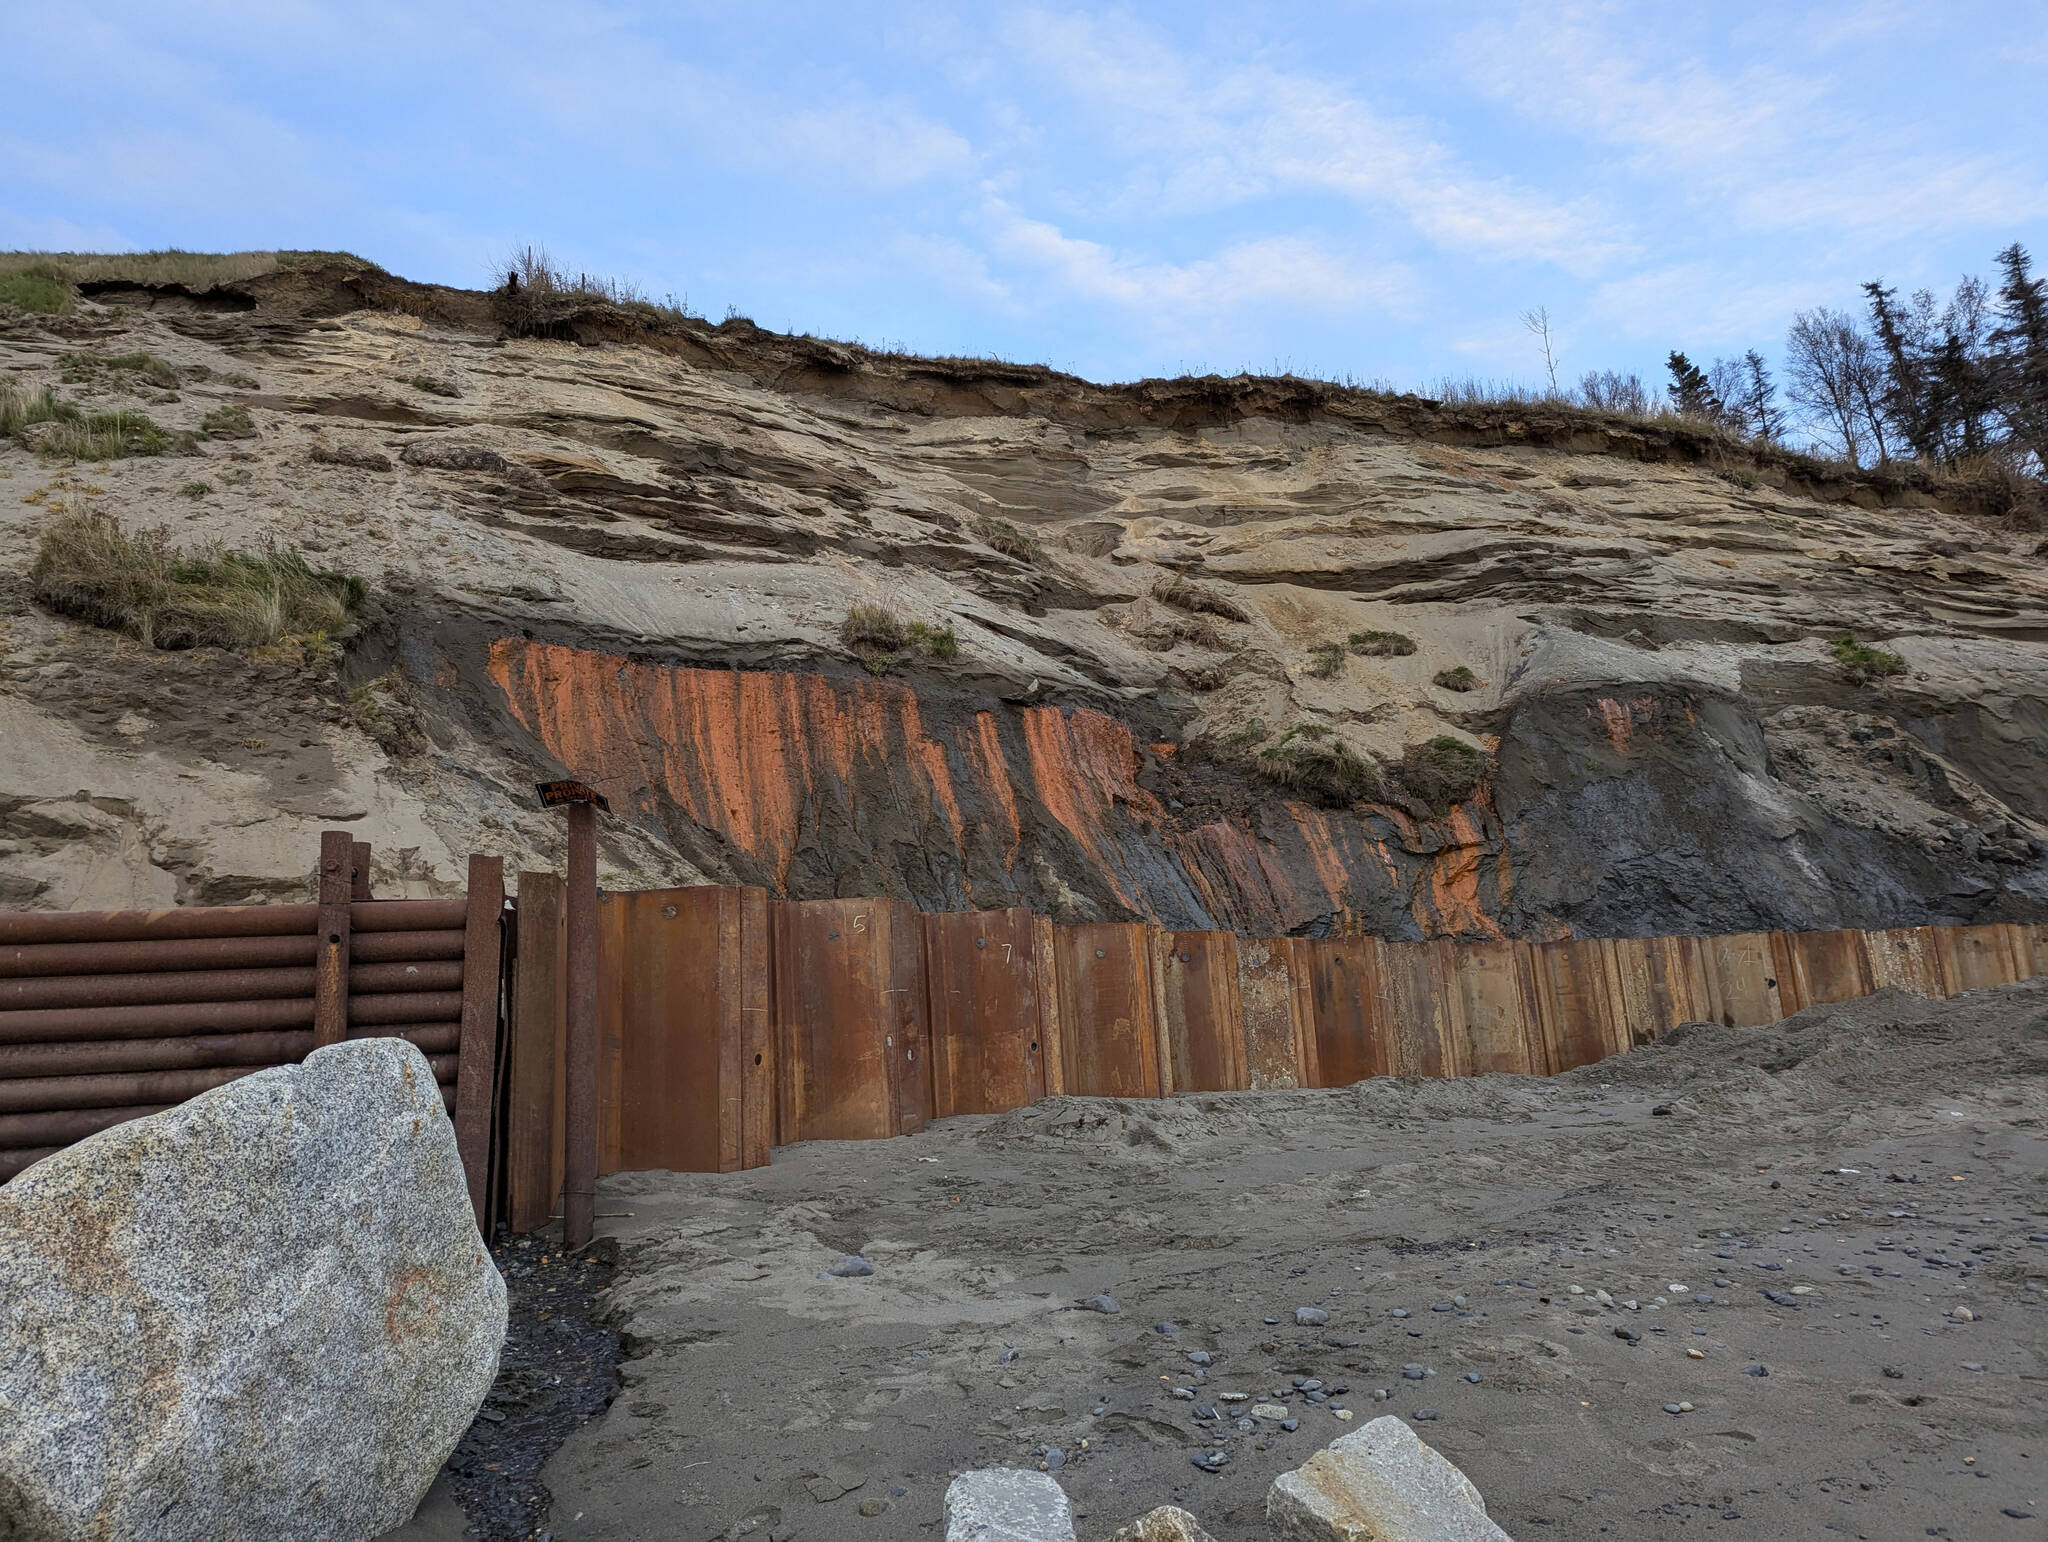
{"x":579,"y":1187}
{"x":331,"y":929}
{"x":476,"y":1078}
{"x":359,"y":863}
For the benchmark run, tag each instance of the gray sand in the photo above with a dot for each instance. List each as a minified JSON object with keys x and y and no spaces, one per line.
{"x":761,"y":1400}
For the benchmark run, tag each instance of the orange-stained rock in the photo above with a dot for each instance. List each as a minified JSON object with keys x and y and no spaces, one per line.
{"x":818,"y":786}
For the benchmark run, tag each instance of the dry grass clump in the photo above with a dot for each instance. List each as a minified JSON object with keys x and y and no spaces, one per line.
{"x":878,"y":638}
{"x":1863,"y":663}
{"x":1197,"y":599}
{"x":1326,"y":660}
{"x":1002,"y":536}
{"x":534,"y":295}
{"x":1458,"y":679}
{"x":1329,"y":772}
{"x":89,"y":567}
{"x":1381,"y":645}
{"x":228,"y":422}
{"x":1443,"y":772}
{"x":122,"y":366}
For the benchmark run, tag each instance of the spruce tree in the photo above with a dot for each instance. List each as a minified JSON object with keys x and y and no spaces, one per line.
{"x":2020,"y":342}
{"x":1691,"y":393}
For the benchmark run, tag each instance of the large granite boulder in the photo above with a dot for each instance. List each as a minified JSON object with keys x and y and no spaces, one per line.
{"x":1007,"y":1504}
{"x":264,"y":1313}
{"x":1378,"y":1484}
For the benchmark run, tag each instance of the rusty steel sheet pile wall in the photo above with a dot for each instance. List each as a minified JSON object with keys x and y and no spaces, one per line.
{"x":994,"y":1010}
{"x":107,"y":1016}
{"x":1200,"y":1015}
{"x":1109,"y":1010}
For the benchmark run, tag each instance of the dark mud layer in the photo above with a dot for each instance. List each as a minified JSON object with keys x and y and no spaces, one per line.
{"x":558,"y":1371}
{"x":1823,"y":1200}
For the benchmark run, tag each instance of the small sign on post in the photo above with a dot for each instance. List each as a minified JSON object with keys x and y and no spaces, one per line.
{"x":579,"y":1132}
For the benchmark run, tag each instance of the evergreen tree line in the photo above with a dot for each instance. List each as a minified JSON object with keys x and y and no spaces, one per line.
{"x":1947,"y":383}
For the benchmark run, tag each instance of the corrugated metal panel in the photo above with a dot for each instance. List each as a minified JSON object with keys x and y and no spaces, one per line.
{"x":1200,"y":1012}
{"x":1343,"y":976}
{"x":1496,"y":995}
{"x":1741,"y":978}
{"x":1908,"y":958}
{"x":988,"y":1011}
{"x":1273,"y":989}
{"x":1419,"y":1009}
{"x":1976,"y":957}
{"x":1108,"y":1019}
{"x":1578,"y":1003}
{"x":850,"y":1010}
{"x":1824,"y":967}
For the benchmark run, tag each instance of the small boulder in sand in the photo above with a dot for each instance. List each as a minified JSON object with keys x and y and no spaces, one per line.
{"x":1168,"y":1523}
{"x":263,"y":1313}
{"x":1379,"y":1483}
{"x":1005,"y":1504}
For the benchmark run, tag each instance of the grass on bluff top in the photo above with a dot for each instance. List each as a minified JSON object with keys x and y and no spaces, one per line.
{"x":89,"y":567}
{"x":194,"y":270}
{"x":39,"y":289}
{"x":1459,"y":679}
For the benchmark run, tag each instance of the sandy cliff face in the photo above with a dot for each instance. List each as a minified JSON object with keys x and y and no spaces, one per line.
{"x":626,"y":557}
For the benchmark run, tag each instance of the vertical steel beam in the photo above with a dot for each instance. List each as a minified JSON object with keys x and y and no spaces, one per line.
{"x":359,"y":861}
{"x":330,"y":952}
{"x":476,"y":1070}
{"x":579,"y":1187}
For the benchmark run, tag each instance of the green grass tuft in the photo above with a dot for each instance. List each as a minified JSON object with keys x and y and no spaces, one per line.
{"x":89,"y":567}
{"x":195,"y":490}
{"x":1458,"y":679}
{"x":1862,"y":662}
{"x":40,"y":289}
{"x":1331,"y":773}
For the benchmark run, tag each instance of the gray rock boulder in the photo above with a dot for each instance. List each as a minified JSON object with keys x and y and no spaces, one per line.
{"x":1007,"y":1504}
{"x":263,"y":1313}
{"x":1378,"y":1484}
{"x":1168,"y":1523}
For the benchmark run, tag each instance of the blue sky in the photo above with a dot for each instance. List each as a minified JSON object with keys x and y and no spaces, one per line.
{"x":1373,"y":190}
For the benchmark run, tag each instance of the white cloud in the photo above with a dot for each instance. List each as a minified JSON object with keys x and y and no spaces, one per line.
{"x":1273,"y":270}
{"x":1192,"y":135}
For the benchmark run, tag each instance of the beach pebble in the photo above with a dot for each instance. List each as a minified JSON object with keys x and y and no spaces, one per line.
{"x":1245,"y":1426}
{"x":1290,"y":1425}
{"x":1412,"y":1373}
{"x":1271,"y":1411}
{"x":1754,"y":1370}
{"x":1166,"y":1329}
{"x":1109,"y":1306}
{"x":1695,"y":1354}
{"x":1424,"y":1413}
{"x":1309,"y":1384}
{"x":1473,"y":1377}
{"x":1310,"y":1317}
{"x":1185,"y":1393}
{"x":1400,"y":1311}
{"x":1963,"y":1314}
{"x":1204,"y":1411}
{"x":1209,"y":1461}
{"x":1200,"y":1357}
{"x":851,"y":1267}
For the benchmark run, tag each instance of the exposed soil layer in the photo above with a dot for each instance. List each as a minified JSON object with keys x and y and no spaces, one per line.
{"x":1822,"y":1201}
